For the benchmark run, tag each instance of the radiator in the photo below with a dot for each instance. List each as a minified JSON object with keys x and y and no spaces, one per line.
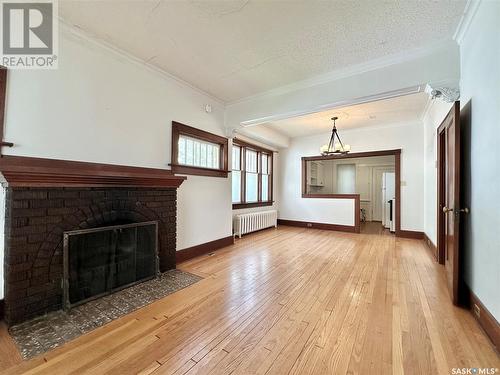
{"x":246,"y":223}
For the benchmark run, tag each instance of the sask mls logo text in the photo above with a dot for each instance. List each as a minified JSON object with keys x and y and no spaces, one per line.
{"x":29,"y":34}
{"x":474,"y":371}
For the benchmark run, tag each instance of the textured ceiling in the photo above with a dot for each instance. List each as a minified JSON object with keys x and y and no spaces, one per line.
{"x":397,"y":110}
{"x":237,"y":48}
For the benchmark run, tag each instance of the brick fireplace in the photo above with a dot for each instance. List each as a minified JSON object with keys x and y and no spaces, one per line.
{"x":45,"y":198}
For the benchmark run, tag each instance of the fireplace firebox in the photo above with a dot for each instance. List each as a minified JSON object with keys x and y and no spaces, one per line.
{"x":99,"y":261}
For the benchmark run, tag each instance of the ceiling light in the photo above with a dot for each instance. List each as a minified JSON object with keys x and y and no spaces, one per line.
{"x":334,"y":147}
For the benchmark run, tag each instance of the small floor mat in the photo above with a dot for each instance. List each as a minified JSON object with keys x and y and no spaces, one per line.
{"x":47,"y":332}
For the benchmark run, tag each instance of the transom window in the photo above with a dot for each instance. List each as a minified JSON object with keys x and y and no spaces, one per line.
{"x":198,"y":152}
{"x":251,"y":175}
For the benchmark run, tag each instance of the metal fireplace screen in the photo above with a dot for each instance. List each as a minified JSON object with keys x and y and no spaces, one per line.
{"x":102,"y":260}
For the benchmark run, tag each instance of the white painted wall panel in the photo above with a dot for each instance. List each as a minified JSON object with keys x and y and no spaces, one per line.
{"x":480,"y":83}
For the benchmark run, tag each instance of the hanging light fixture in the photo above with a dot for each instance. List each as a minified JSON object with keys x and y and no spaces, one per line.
{"x":334,"y":147}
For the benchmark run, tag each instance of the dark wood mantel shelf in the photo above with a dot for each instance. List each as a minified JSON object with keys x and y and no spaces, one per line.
{"x":21,"y":171}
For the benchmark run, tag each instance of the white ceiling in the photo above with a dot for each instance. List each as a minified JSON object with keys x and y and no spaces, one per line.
{"x":402,"y":109}
{"x":236,"y":48}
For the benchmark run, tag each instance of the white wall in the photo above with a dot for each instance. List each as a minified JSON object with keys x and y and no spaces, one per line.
{"x":434,"y":116}
{"x":408,"y":137}
{"x":480,"y":83}
{"x":100,"y":106}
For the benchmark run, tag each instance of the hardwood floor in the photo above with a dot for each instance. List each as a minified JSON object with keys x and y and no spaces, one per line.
{"x":373,"y":227}
{"x":291,"y":301}
{"x":9,"y":355}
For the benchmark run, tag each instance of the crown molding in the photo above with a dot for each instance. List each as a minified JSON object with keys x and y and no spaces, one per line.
{"x":85,"y":35}
{"x":468,"y":15}
{"x":349,"y":71}
{"x":338,"y":104}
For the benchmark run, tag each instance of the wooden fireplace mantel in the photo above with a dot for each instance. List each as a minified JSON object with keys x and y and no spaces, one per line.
{"x":22,"y":171}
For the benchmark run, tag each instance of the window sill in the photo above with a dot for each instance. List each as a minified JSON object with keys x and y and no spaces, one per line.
{"x":198,"y":171}
{"x":238,"y":206}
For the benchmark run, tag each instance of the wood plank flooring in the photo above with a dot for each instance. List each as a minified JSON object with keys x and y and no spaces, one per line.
{"x":9,"y":355}
{"x":373,"y":227}
{"x":290,"y":301}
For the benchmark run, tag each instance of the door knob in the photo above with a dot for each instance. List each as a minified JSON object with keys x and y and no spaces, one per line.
{"x":465,"y":210}
{"x":446,"y":209}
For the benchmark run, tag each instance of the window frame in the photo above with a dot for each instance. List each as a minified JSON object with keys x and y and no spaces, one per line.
{"x":244,"y":146}
{"x":179,"y":129}
{"x":233,"y":170}
{"x":3,"y":93}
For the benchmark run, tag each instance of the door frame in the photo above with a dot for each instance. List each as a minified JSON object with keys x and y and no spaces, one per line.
{"x":385,"y":201}
{"x":457,"y":281}
{"x":441,"y":192}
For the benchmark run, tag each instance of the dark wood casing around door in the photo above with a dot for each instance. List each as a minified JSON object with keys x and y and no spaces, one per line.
{"x":448,"y":209}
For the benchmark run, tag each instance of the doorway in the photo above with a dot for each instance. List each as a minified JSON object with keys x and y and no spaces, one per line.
{"x":384,"y":190}
{"x":351,"y":176}
{"x":448,"y":203}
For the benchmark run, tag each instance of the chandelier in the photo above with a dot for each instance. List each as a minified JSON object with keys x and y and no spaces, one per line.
{"x":334,"y":147}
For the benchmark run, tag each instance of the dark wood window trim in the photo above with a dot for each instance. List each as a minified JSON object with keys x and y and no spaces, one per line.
{"x":239,"y":206}
{"x":397,"y":157}
{"x":3,"y":93}
{"x":179,"y":129}
{"x":260,"y":150}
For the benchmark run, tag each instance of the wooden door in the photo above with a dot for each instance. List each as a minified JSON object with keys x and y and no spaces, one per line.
{"x":449,"y":198}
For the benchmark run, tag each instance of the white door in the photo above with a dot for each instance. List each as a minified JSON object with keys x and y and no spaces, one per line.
{"x":388,"y":193}
{"x":378,"y":190}
{"x":377,"y":195}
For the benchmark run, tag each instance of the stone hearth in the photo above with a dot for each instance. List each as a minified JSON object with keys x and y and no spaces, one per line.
{"x":56,"y":328}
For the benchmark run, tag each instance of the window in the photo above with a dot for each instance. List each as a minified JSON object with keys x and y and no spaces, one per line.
{"x":265,"y":175}
{"x":251,"y":175}
{"x":346,"y":179}
{"x":198,"y":152}
{"x":236,"y":175}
